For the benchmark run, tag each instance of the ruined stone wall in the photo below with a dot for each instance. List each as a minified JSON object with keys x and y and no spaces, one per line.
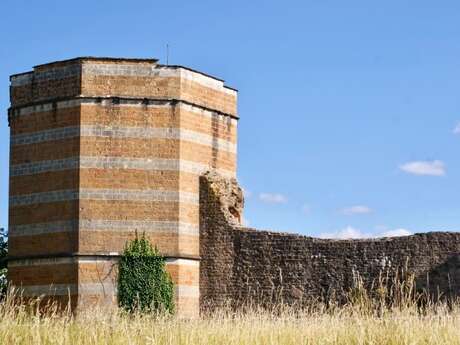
{"x":241,"y":264}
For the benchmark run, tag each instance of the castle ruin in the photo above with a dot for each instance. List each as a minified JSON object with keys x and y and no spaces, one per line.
{"x":102,"y":148}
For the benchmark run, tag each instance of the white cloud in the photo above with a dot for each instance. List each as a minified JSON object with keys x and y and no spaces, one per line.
{"x":352,"y":233}
{"x":457,"y":129}
{"x":396,"y":233}
{"x":431,"y":168}
{"x":273,"y":198}
{"x":346,"y":233}
{"x":358,"y":209}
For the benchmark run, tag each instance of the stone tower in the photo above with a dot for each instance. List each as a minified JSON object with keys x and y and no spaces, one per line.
{"x":102,"y":148}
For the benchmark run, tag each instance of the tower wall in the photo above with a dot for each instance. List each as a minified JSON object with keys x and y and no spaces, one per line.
{"x":102,"y":149}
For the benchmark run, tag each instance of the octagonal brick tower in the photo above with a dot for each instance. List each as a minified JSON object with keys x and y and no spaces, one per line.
{"x":102,"y":148}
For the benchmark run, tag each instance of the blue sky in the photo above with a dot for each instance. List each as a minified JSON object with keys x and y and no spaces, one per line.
{"x":348,"y":108}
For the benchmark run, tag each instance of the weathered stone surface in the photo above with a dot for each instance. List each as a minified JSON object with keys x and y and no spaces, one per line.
{"x":240,"y":264}
{"x":229,"y":195}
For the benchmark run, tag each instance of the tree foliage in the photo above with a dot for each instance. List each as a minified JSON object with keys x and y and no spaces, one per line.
{"x":143,"y":282}
{"x":3,"y":261}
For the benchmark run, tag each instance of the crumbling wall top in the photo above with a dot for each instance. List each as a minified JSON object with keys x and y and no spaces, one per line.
{"x":229,"y":194}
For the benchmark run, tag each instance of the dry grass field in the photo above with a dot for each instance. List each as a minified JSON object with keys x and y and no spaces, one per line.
{"x":363,"y":320}
{"x":344,"y":326}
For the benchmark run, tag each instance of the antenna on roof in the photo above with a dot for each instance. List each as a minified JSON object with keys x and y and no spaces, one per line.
{"x":167,"y":53}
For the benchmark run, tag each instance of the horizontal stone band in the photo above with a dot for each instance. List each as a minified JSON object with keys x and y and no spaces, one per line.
{"x":42,"y":228}
{"x":104,"y":194}
{"x":89,"y":260}
{"x":44,"y":136}
{"x":46,"y":197}
{"x":125,"y":102}
{"x":89,"y":162}
{"x":180,"y":228}
{"x":138,"y":195}
{"x":158,"y":133}
{"x":123,"y":132}
{"x":105,"y":288}
{"x":47,"y":290}
{"x":43,"y":262}
{"x":44,"y":166}
{"x":169,"y":227}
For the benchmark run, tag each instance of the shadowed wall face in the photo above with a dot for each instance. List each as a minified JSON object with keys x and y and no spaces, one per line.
{"x":101,"y":149}
{"x":241,"y":265}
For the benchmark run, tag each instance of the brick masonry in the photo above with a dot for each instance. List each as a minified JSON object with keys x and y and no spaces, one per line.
{"x":103,"y":148}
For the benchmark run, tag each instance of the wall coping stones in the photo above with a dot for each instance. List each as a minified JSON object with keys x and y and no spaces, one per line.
{"x":60,"y":69}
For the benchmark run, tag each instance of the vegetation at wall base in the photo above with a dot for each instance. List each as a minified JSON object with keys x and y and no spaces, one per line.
{"x":367,"y":319}
{"x":3,"y":262}
{"x":318,"y":324}
{"x":143,"y":283}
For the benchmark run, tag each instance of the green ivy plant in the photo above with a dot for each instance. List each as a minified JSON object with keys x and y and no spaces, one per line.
{"x":3,"y":262}
{"x":143,"y":282}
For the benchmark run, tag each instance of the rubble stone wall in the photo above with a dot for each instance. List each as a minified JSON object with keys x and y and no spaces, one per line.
{"x":240,"y":265}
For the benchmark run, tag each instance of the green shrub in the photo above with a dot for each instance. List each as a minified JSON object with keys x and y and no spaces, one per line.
{"x":3,"y":262}
{"x":143,"y":282}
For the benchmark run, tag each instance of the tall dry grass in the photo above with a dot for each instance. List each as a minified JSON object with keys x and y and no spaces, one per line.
{"x":407,"y":317}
